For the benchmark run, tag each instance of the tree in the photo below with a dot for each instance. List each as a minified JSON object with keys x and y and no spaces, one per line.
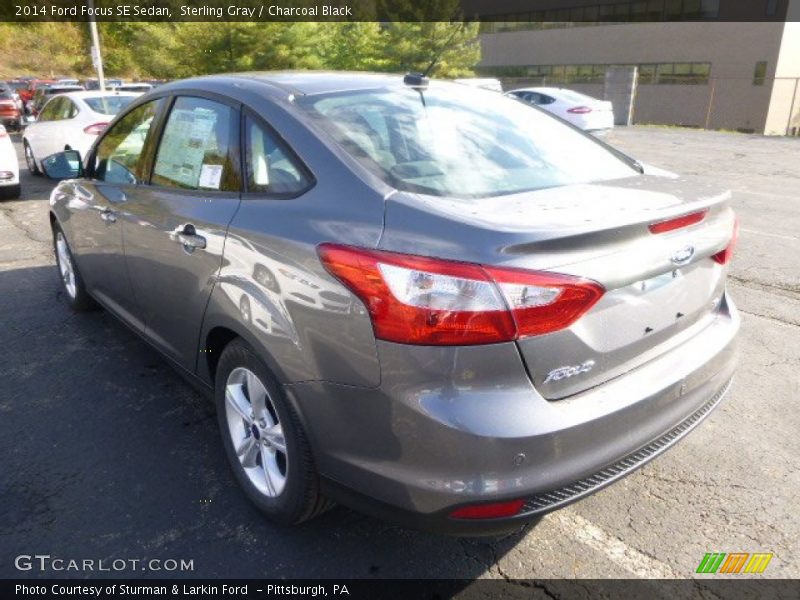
{"x":177,"y":50}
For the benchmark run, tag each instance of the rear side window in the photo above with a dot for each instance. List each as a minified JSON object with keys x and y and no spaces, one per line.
{"x":271,"y":167}
{"x":119,"y":155}
{"x":197,"y":149}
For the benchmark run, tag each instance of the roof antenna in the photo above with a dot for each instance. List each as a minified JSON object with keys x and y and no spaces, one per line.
{"x":419,"y":81}
{"x":441,"y":50}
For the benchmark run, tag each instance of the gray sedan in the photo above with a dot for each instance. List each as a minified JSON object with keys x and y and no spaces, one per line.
{"x":429,"y":302}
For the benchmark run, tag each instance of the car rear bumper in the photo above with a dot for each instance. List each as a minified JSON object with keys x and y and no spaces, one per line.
{"x":450,"y":427}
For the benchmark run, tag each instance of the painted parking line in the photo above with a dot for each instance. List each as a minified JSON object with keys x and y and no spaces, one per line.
{"x":767,"y":234}
{"x":614,"y":549}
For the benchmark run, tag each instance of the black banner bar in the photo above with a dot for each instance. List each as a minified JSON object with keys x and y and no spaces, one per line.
{"x":487,"y":11}
{"x":389,"y":589}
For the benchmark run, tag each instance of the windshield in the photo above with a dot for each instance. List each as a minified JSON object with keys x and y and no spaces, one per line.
{"x":108,"y":105}
{"x":450,"y":140}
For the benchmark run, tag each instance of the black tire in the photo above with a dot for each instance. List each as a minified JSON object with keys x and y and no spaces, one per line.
{"x":10,"y":192}
{"x":78,"y":299}
{"x":30,"y":159}
{"x":300,"y":498}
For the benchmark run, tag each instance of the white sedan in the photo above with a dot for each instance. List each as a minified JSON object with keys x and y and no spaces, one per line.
{"x":9,"y":167}
{"x":585,"y":112}
{"x":70,"y":122}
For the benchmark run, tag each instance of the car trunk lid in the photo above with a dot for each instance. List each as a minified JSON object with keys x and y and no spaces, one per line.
{"x":660,"y":287}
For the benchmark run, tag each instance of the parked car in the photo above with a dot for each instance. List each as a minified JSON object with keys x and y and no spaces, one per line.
{"x":16,"y":86}
{"x":70,"y":121}
{"x":9,"y":167}
{"x":522,"y":314}
{"x":27,"y":94}
{"x":585,"y":112}
{"x":44,"y":93}
{"x":486,"y":83}
{"x":139,"y":87}
{"x":10,"y":114}
{"x":94,"y":84}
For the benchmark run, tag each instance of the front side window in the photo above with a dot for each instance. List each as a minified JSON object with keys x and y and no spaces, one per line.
{"x":119,"y":157}
{"x":50,"y":111}
{"x":197,"y":147}
{"x":451,"y":141}
{"x":67,"y":109}
{"x":271,"y":167}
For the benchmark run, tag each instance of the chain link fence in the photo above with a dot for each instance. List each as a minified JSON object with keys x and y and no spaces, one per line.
{"x":750,"y":105}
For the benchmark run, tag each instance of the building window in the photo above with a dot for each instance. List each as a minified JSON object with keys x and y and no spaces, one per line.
{"x":760,"y":73}
{"x":601,"y":14}
{"x":694,"y":73}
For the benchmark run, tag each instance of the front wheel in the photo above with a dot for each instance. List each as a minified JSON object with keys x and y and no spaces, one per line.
{"x":265,"y":444}
{"x":71,"y":280}
{"x":30,"y":159}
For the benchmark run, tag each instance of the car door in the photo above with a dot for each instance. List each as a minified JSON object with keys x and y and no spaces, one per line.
{"x":115,"y":170}
{"x":41,"y":135}
{"x":176,"y":228}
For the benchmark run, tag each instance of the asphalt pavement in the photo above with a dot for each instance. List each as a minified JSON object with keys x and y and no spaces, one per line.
{"x":108,"y":454}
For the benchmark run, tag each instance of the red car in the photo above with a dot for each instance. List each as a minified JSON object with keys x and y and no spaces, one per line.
{"x":27,"y":94}
{"x":10,"y":113}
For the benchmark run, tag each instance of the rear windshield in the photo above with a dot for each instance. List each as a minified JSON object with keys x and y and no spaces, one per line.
{"x":108,"y":105}
{"x":451,"y":140}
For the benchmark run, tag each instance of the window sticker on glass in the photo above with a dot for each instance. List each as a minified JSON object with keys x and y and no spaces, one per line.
{"x":210,"y":177}
{"x":187,"y":138}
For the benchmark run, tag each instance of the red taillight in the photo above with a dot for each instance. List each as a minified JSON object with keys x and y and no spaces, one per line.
{"x":95,"y":128}
{"x":724,"y":256}
{"x":8,"y":104}
{"x":678,"y":222}
{"x":428,"y":301}
{"x":495,"y":510}
{"x":579,"y":110}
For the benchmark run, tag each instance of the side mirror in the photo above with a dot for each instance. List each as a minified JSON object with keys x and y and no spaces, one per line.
{"x":63,"y":165}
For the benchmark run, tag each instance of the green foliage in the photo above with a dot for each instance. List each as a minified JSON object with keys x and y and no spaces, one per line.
{"x":178,"y":50}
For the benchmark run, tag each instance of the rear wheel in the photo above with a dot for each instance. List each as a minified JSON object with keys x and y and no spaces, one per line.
{"x":265,"y":444}
{"x":71,"y":280}
{"x":30,"y":159}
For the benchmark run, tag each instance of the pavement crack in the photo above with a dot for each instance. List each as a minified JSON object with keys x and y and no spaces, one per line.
{"x":770,"y":318}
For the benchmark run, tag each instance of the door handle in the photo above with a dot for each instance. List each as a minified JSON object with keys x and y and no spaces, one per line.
{"x":108,"y":216}
{"x":190,"y":240}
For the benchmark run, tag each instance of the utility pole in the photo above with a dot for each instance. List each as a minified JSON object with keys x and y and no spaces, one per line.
{"x":97,"y":57}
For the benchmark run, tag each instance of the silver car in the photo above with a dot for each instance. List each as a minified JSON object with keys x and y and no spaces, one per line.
{"x":426,"y":301}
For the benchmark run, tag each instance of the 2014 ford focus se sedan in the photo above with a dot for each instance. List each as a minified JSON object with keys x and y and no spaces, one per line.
{"x":426,"y":301}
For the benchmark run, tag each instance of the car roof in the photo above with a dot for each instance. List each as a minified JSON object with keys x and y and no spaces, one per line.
{"x":298,"y":82}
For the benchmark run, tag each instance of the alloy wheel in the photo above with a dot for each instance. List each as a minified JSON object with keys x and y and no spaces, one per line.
{"x":256,"y":432}
{"x":65,"y":266}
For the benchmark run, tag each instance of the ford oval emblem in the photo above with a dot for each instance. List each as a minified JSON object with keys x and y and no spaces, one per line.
{"x":682,"y":256}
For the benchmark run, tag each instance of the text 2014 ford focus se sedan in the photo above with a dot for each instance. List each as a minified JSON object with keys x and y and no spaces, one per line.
{"x":433,"y":303}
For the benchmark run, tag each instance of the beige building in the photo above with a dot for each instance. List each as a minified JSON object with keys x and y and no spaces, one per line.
{"x":707,"y":73}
